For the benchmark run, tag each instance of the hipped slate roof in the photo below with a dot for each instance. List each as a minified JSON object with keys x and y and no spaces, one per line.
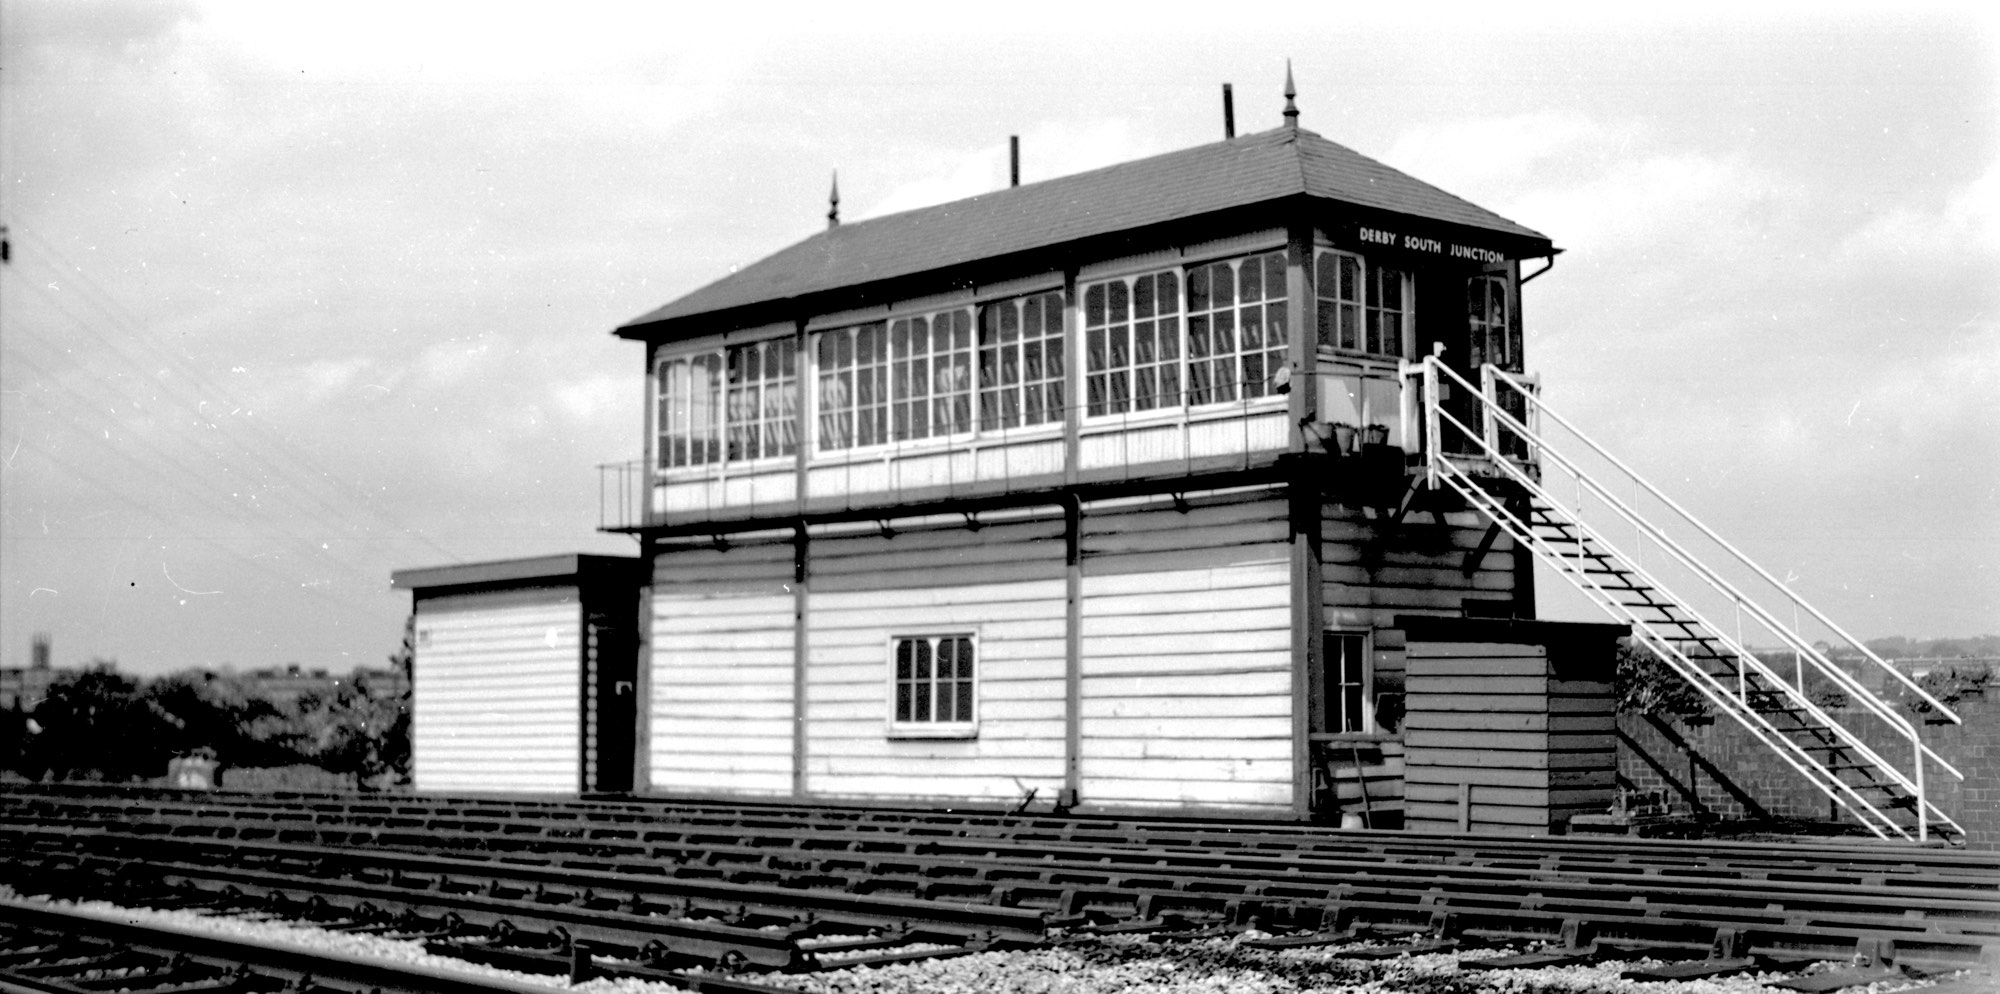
{"x":1237,"y":172}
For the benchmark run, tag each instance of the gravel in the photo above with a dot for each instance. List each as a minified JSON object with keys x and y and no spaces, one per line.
{"x":1072,"y":965}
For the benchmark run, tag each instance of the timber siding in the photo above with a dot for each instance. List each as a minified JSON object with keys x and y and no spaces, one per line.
{"x":720,"y":714}
{"x":1004,"y":585}
{"x":495,"y":692}
{"x":1186,"y":666}
{"x":1372,"y":571}
{"x":1509,"y":731}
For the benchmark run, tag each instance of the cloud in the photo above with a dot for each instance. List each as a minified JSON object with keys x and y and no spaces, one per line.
{"x":1057,"y":148}
{"x":1963,"y":232}
{"x":1502,"y":154}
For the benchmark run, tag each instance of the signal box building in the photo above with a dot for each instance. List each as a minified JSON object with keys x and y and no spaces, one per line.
{"x":1209,"y":482}
{"x":1097,"y":490}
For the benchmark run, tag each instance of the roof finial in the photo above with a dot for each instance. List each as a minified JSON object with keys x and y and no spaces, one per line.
{"x":1291,"y":109}
{"x":833,"y":201}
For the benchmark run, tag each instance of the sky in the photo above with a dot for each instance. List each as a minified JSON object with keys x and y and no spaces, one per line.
{"x":304,"y":294}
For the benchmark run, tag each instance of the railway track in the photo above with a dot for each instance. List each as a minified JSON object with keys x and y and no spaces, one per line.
{"x":66,"y":950}
{"x":675,"y":885}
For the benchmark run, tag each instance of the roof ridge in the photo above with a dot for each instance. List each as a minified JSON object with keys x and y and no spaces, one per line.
{"x":1168,"y":187}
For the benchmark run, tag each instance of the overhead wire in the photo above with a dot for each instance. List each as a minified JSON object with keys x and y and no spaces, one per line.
{"x":303,"y":473}
{"x":166,"y":473}
{"x":164,"y":470}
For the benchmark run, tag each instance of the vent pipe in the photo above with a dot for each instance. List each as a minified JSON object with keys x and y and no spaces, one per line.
{"x":1013,"y":160}
{"x":1228,"y":112}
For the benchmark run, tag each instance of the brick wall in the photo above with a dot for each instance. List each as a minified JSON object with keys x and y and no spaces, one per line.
{"x":1718,"y":769}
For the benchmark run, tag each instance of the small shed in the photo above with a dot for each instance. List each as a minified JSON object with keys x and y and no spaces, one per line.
{"x":1511,"y":725}
{"x":524,"y":674}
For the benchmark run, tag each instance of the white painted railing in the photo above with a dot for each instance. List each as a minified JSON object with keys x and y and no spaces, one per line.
{"x":1633,"y":552}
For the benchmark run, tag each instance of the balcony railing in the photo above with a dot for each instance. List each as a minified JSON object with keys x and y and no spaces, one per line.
{"x":1359,"y":401}
{"x":995,"y":459}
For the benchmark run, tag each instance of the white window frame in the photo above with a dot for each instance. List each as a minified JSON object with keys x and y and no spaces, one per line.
{"x":1365,"y":304}
{"x":898,"y":728}
{"x":1336,"y":716}
{"x":1103,"y":409}
{"x":1160,"y":323}
{"x":666,"y":418}
{"x":717,"y":359}
{"x":1484,"y":329}
{"x":897,"y":408}
{"x":771,"y":422}
{"x":1245,"y":380}
{"x":1004,"y":408}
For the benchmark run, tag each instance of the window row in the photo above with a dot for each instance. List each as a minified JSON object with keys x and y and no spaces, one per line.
{"x":935,"y":686}
{"x":1214,"y":333}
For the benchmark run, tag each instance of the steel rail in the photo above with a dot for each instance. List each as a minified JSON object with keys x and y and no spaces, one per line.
{"x":293,"y":968}
{"x":1074,"y":880}
{"x":723,"y":823}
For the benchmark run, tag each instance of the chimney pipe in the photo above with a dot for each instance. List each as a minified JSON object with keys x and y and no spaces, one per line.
{"x":1228,"y":112}
{"x":1013,"y":160}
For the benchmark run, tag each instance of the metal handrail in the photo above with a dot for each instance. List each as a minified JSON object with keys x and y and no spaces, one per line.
{"x":1722,"y":585}
{"x":1701,"y":680}
{"x":1486,"y":439}
{"x":1795,"y":599}
{"x":1737,"y":708}
{"x":1802,"y":649}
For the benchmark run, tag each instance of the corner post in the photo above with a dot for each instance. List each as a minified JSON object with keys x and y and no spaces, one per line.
{"x":1303,"y":497}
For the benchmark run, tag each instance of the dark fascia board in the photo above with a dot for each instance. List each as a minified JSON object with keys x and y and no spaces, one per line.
{"x":1332,"y":215}
{"x":566,"y":570}
{"x":1509,"y":631}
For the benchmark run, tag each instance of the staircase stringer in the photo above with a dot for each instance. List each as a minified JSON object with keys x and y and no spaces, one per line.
{"x":1760,"y":728}
{"x":1494,"y":417}
{"x":1743,"y":603}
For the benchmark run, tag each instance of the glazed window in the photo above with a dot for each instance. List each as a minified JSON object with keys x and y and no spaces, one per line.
{"x":1021,"y":362}
{"x":689,"y":418}
{"x":1132,"y":344}
{"x":853,"y":387}
{"x":1383,"y":331}
{"x":1363,"y":307}
{"x":1236,"y":336}
{"x":930,"y":381}
{"x":1486,"y":308}
{"x":763,"y":399}
{"x":901,"y":380}
{"x":934,"y":683}
{"x":1349,"y":703}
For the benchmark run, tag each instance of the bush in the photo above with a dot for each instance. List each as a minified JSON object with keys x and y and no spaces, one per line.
{"x":1647,"y":685}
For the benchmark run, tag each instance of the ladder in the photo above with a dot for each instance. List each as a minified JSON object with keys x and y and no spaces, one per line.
{"x":1686,"y":593}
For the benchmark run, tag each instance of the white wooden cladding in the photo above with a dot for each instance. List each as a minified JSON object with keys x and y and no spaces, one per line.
{"x":495,"y":695}
{"x":720,"y":716}
{"x":1187,"y":657}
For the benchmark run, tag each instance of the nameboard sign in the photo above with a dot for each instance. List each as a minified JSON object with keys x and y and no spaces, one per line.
{"x":1425,"y":243}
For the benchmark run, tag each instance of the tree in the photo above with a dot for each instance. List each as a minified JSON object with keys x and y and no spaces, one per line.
{"x":1647,"y":685}
{"x":95,"y":723}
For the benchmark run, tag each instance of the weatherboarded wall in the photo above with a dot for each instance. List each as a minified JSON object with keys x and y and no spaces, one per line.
{"x":720,"y":705}
{"x":1003,"y":585}
{"x":1186,"y":662}
{"x":495,"y":692}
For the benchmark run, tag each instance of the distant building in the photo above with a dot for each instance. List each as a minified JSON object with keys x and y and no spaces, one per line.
{"x":287,"y":684}
{"x":22,"y":688}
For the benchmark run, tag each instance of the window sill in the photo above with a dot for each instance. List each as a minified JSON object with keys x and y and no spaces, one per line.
{"x":937,"y":444}
{"x":1105,"y":423}
{"x":1366,"y":360}
{"x":920,"y":733}
{"x":715,"y":470}
{"x":1356,"y":738}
